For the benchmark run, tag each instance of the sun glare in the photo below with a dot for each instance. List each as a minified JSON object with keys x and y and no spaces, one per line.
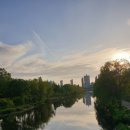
{"x":121,"y":55}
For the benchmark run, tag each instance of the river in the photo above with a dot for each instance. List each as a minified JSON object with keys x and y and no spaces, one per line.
{"x":76,"y":115}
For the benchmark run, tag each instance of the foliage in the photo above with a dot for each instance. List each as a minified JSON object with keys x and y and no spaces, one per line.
{"x":4,"y":103}
{"x":5,"y":78}
{"x":122,"y":127}
{"x":113,"y":81}
{"x":4,"y":74}
{"x":17,"y":92}
{"x":111,"y":87}
{"x":37,"y":117}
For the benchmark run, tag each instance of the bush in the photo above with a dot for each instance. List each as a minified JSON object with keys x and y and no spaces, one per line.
{"x":5,"y":103}
{"x":122,"y":127}
{"x":18,"y":101}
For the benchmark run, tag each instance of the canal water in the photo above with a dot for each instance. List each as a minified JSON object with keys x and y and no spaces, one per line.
{"x":81,"y":116}
{"x":71,"y":115}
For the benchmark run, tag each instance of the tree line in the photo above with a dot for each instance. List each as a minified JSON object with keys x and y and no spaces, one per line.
{"x":20,"y":92}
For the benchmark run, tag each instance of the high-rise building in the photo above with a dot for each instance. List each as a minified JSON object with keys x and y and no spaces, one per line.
{"x":71,"y":81}
{"x":61,"y":82}
{"x":87,"y":98}
{"x":82,"y":82}
{"x":85,"y":81}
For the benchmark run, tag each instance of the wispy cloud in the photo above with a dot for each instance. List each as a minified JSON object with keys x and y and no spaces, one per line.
{"x":33,"y":64}
{"x":8,"y":53}
{"x":128,"y":22}
{"x":41,"y":44}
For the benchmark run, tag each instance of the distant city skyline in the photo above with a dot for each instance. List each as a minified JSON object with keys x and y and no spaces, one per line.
{"x":61,"y":83}
{"x":85,"y":81}
{"x":62,"y":39}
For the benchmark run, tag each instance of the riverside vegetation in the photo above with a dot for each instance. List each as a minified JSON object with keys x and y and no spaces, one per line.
{"x":37,"y":118}
{"x":111,"y":87}
{"x":20,"y":95}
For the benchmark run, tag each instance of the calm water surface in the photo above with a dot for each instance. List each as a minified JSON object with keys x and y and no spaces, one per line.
{"x":79,"y":117}
{"x":69,"y":115}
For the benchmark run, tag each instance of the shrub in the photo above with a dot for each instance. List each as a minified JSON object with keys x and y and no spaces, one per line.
{"x":5,"y":103}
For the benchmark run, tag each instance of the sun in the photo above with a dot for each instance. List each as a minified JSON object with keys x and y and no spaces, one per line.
{"x":121,"y":55}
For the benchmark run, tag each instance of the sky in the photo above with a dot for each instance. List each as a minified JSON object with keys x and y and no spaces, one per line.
{"x":62,"y":39}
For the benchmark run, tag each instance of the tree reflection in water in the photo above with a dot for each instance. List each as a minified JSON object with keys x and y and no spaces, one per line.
{"x":30,"y":120}
{"x":104,"y":116}
{"x":111,"y":116}
{"x":36,"y":118}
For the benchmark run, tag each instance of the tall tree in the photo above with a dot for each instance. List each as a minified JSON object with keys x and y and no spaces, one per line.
{"x":110,"y":82}
{"x":5,"y":77}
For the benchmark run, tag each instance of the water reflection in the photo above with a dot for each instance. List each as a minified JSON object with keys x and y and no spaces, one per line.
{"x":31,"y":120}
{"x":104,"y":116}
{"x":36,"y":118}
{"x":87,"y":98}
{"x":111,"y":115}
{"x":78,"y":117}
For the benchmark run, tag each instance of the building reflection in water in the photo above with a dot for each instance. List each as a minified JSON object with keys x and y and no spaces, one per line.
{"x":87,"y":98}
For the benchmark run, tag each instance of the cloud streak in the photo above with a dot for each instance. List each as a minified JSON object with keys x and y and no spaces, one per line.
{"x":128,"y":22}
{"x":8,"y":53}
{"x":43,"y":47}
{"x":18,"y":60}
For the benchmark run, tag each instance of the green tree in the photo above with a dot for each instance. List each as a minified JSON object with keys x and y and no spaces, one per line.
{"x":109,"y":89}
{"x":5,"y":78}
{"x":110,"y":82}
{"x":4,"y":74}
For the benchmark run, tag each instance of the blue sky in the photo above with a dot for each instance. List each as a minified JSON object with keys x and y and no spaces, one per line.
{"x":62,"y":39}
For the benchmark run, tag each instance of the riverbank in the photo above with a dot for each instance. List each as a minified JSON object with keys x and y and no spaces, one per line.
{"x":27,"y":107}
